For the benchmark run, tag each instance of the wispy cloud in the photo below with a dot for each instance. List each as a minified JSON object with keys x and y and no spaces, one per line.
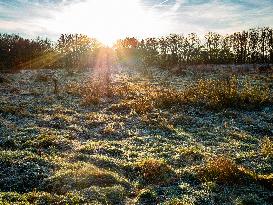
{"x":147,"y":17}
{"x":220,"y":16}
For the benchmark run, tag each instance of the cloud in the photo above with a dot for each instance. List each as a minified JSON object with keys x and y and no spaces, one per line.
{"x":135,"y":17}
{"x":220,"y":16}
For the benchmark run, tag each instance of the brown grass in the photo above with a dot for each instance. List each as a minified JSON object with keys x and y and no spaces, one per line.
{"x":229,"y":92}
{"x":155,"y":171}
{"x":213,"y":93}
{"x":221,"y":170}
{"x":266,"y":147}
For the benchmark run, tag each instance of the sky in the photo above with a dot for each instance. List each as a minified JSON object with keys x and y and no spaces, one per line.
{"x":109,"y":20}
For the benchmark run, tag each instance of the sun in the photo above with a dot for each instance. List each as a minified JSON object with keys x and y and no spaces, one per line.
{"x":107,"y":20}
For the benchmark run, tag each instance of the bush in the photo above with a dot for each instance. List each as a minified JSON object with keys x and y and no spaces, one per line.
{"x":8,"y":143}
{"x":43,"y":78}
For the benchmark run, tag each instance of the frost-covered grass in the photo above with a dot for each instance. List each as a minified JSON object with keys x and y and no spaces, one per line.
{"x":157,"y":139}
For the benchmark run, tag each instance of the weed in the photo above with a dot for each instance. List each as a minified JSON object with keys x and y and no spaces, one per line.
{"x":8,"y":143}
{"x":248,"y":200}
{"x":94,"y":147}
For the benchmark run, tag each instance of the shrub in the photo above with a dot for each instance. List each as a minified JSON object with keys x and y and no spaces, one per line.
{"x":249,"y":199}
{"x":90,"y":92}
{"x":224,"y":171}
{"x":155,"y":171}
{"x":115,"y":194}
{"x":8,"y":143}
{"x":91,"y":99}
{"x":266,"y":180}
{"x":109,"y":129}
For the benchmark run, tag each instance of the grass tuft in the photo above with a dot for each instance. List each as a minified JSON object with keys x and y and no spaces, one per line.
{"x":221,"y":170}
{"x":80,"y":176}
{"x":155,"y":171}
{"x":266,"y":147}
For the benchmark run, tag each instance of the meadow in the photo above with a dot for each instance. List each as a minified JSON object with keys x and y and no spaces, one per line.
{"x":141,"y":137}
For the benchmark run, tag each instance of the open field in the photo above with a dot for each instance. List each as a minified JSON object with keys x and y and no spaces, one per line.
{"x":145,"y":138}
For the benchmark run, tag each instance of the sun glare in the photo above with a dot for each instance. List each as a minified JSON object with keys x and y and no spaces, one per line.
{"x":108,"y":20}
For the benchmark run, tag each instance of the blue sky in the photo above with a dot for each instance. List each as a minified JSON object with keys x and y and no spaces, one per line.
{"x":112,"y":19}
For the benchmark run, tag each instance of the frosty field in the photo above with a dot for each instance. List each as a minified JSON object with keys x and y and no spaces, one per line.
{"x":145,"y":138}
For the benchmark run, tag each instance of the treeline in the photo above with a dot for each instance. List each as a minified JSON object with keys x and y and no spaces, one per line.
{"x":246,"y":47}
{"x":71,"y":51}
{"x":75,"y":51}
